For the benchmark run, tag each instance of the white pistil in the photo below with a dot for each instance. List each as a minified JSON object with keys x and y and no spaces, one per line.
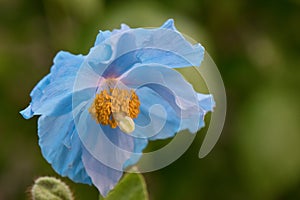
{"x":125,"y":123}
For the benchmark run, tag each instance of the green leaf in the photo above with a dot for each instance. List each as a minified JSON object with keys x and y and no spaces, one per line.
{"x":131,"y":187}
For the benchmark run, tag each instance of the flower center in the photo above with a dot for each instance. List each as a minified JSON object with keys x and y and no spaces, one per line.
{"x":116,"y":107}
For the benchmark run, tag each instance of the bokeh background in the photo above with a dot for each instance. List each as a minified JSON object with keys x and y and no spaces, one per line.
{"x":255,"y":44}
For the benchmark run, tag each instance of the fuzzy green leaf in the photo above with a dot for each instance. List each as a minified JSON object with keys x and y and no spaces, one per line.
{"x":131,"y":187}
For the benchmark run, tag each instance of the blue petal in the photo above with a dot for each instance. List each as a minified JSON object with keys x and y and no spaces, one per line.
{"x":86,"y":78}
{"x":124,"y":27}
{"x":61,"y":146}
{"x":162,"y":45}
{"x":65,"y":65}
{"x":168,"y":83}
{"x":169,"y":24}
{"x":103,"y":177}
{"x":102,"y":57}
{"x":56,"y":96}
{"x":103,"y":35}
{"x":155,"y":122}
{"x":99,"y":58}
{"x":36,"y":94}
{"x":206,"y":102}
{"x":59,"y":103}
{"x":139,"y":145}
{"x":161,"y":126}
{"x":118,"y":149}
{"x":109,"y":146}
{"x":55,"y":86}
{"x":172,"y":91}
{"x":53,"y":95}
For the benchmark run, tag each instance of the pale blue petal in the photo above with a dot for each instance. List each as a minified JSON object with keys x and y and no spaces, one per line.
{"x":164,"y":45}
{"x":107,"y":47}
{"x":86,"y":78}
{"x":53,"y":95}
{"x":103,"y":177}
{"x":61,"y":146}
{"x":155,"y":122}
{"x":168,"y":83}
{"x":99,"y":58}
{"x":169,"y":45}
{"x":206,"y":102}
{"x":118,"y":150}
{"x":103,"y":35}
{"x":27,"y":112}
{"x":172,"y":123}
{"x":139,"y":145}
{"x":169,"y":24}
{"x":125,"y":55}
{"x":102,"y":58}
{"x":36,"y":95}
{"x":65,"y":65}
{"x":56,"y":103}
{"x":168,"y":88}
{"x":115,"y":147}
{"x":100,"y":55}
{"x":124,"y":27}
{"x":53,"y":91}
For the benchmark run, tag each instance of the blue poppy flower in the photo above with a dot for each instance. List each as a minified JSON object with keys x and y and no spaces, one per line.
{"x":98,"y":111}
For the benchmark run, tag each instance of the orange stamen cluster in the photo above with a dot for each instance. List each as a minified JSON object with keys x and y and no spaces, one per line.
{"x":115,"y":101}
{"x":134,"y":105}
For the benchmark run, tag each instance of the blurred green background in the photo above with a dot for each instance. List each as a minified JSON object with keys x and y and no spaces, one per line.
{"x":255,"y":44}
